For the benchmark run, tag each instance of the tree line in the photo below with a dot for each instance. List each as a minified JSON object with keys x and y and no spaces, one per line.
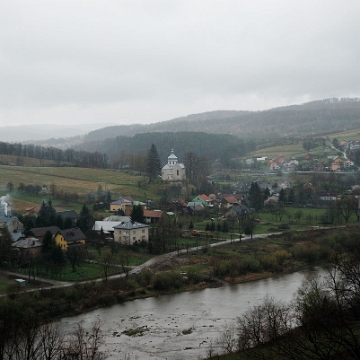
{"x":75,"y":157}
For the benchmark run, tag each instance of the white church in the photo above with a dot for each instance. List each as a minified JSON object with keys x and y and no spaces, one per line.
{"x":173,"y":170}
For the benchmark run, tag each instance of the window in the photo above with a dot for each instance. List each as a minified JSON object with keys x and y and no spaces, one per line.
{"x":143,"y":231}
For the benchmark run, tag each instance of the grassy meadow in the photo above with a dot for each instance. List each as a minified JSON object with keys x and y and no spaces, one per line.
{"x":71,"y":180}
{"x":353,"y":134}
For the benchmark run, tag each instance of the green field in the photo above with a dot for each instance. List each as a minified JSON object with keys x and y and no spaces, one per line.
{"x":348,"y":135}
{"x":72,"y":180}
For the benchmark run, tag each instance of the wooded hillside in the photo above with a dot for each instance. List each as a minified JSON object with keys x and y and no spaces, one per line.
{"x":310,"y":118}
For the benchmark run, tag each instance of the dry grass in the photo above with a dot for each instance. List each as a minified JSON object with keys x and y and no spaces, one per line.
{"x":284,"y":150}
{"x":72,"y":180}
{"x":348,"y":135}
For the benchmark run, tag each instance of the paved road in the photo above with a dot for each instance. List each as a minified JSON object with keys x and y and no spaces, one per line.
{"x":137,"y":269}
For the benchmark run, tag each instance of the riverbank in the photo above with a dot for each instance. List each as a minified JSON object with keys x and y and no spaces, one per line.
{"x":234,"y":262}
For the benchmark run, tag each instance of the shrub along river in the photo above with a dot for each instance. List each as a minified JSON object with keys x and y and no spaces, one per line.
{"x":181,"y":326}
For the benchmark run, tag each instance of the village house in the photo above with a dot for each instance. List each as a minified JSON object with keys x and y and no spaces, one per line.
{"x":40,"y":232}
{"x":335,"y":166}
{"x":31,"y":211}
{"x":128,"y":233}
{"x":173,"y":170}
{"x":238,"y":212}
{"x":107,"y":226}
{"x":281,"y":160}
{"x":175,"y":204}
{"x":13,"y":225}
{"x":119,"y":204}
{"x":348,"y":163}
{"x":194,"y":207}
{"x":70,"y":238}
{"x":324,"y":195}
{"x":249,"y":162}
{"x":69,"y":214}
{"x":129,"y":207}
{"x":343,"y":143}
{"x":25,"y":250}
{"x":204,"y":199}
{"x":152,"y":216}
{"x":227,"y":201}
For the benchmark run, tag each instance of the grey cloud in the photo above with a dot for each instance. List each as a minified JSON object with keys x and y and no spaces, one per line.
{"x":141,"y":61}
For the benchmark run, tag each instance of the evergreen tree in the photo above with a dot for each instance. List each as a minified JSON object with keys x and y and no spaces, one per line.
{"x":191,"y":225}
{"x":266,"y":193}
{"x":5,"y":245}
{"x":85,"y":219}
{"x":225,"y":227}
{"x":335,"y":143}
{"x":47,"y":215}
{"x":137,"y":214}
{"x":282,"y":197}
{"x":60,"y":222}
{"x":291,"y":196}
{"x":212,"y":226}
{"x":153,"y":162}
{"x":68,"y":224}
{"x":256,"y":196}
{"x":48,"y":243}
{"x":58,"y":256}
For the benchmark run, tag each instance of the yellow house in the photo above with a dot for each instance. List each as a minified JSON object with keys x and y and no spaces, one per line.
{"x":119,"y":204}
{"x":70,"y":237}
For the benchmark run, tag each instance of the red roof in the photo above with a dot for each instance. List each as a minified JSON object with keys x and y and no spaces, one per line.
{"x":231,"y":199}
{"x":153,"y":213}
{"x":205,"y":197}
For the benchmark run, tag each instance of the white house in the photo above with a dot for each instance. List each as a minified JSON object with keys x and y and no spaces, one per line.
{"x":128,"y":233}
{"x":173,"y":170}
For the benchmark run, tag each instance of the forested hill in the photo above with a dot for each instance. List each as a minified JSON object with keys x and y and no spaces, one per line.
{"x":222,"y":147}
{"x":309,"y":118}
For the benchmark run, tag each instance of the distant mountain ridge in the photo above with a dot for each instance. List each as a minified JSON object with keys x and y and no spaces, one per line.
{"x":313,"y":117}
{"x":309,"y":118}
{"x":41,"y":132}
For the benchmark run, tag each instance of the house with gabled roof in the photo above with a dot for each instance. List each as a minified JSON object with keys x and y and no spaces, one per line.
{"x":325,"y":195}
{"x":204,"y":199}
{"x":31,"y":211}
{"x":175,"y":204}
{"x":281,"y":160}
{"x":152,"y":216}
{"x":107,"y":226}
{"x":26,"y":249}
{"x":238,"y":211}
{"x":40,"y":232}
{"x":193,"y":207}
{"x":13,"y":225}
{"x":227,"y":201}
{"x":67,"y":238}
{"x":69,"y":214}
{"x":131,"y":232}
{"x":119,"y":204}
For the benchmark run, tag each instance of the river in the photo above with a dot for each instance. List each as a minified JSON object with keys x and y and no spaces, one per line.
{"x":203,"y":315}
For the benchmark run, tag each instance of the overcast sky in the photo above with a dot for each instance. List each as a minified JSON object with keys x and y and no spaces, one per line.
{"x":128,"y":62}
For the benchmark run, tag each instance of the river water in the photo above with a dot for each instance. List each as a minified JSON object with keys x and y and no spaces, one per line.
{"x":203,"y":314}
